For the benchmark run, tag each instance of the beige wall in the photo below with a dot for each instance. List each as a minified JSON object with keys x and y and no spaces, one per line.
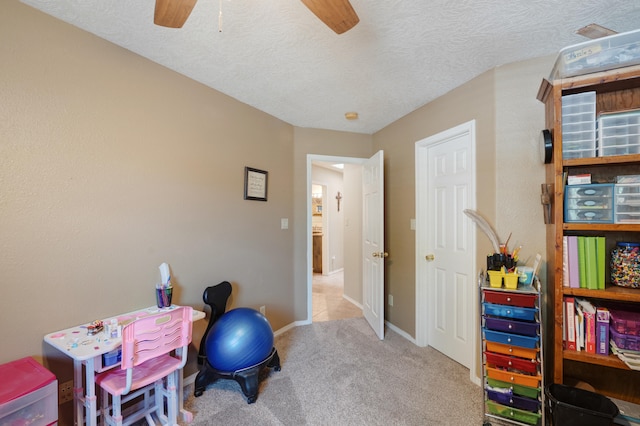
{"x":473,"y":100}
{"x":112,"y":165}
{"x":508,"y":121}
{"x":519,"y":170}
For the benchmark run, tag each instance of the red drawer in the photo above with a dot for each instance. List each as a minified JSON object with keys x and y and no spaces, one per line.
{"x":510,"y":362}
{"x":509,"y":298}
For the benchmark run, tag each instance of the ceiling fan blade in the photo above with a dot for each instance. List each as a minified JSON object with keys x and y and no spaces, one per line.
{"x":172,"y":13}
{"x":336,"y":14}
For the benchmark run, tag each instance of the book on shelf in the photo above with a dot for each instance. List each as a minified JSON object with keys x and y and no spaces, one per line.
{"x":591,"y":264}
{"x":574,"y":271}
{"x":582,"y":266}
{"x":565,"y":261}
{"x":570,"y":320}
{"x":583,"y":262}
{"x":602,"y":330}
{"x":600,"y":259}
{"x":589,"y":312}
{"x":579,"y":317}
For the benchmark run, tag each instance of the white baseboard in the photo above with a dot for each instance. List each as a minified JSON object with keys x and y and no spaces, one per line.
{"x":350,"y":300}
{"x":400,"y":332}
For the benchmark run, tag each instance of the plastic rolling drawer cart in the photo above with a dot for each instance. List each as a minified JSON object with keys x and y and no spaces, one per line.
{"x":512,"y":354}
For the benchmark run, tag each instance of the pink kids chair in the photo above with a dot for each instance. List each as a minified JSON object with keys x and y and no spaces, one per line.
{"x":147,"y":363}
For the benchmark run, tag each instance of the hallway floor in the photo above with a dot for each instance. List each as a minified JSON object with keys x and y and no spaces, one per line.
{"x":328,"y":303}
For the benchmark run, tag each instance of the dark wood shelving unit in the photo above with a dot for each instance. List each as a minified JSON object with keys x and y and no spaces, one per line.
{"x":616,"y":91}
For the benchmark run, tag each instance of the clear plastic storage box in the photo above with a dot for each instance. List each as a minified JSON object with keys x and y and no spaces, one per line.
{"x":627,"y":203}
{"x":579,"y":125}
{"x":28,"y":394}
{"x":619,"y":134}
{"x":589,"y":203}
{"x":602,"y":54}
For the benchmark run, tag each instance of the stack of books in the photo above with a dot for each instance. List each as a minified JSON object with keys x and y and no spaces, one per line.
{"x":583,"y":262}
{"x":586,"y":326}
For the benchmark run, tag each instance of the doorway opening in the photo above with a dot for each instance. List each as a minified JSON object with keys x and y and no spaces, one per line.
{"x":334,"y":285}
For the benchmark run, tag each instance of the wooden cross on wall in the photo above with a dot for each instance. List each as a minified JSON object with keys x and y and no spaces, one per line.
{"x":339,"y":197}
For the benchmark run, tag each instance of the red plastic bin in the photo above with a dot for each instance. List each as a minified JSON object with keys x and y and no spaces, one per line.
{"x":28,"y":394}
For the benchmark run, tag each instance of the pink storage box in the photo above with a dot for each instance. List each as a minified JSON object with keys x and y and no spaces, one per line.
{"x":28,"y":394}
{"x":624,"y":322}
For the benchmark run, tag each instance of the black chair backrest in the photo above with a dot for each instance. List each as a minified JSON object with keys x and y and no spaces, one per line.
{"x":216,"y":297}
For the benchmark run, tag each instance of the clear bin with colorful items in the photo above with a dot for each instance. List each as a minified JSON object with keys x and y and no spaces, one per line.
{"x":625,"y":265}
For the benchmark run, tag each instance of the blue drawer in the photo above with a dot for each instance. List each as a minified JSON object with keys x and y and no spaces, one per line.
{"x":527,"y":314}
{"x":512,"y":326}
{"x":510,"y":339}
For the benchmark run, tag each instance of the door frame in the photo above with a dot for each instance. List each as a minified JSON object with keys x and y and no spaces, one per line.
{"x":310,"y":159}
{"x":423,"y":319}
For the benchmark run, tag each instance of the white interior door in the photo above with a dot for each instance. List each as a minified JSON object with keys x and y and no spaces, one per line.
{"x":445,"y":263}
{"x":373,"y":253}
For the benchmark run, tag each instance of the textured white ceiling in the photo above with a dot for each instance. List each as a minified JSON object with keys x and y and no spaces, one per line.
{"x":275,"y":55}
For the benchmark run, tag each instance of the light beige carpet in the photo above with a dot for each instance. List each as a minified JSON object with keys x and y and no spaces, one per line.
{"x":339,"y":373}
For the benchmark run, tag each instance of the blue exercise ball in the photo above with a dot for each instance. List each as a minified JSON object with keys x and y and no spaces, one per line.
{"x":239,"y":339}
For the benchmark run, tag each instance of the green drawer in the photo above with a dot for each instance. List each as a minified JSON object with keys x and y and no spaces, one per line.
{"x":513,"y":413}
{"x":517,"y":389}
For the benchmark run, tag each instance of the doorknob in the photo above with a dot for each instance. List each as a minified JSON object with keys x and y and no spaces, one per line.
{"x":381,"y":254}
{"x":430,"y":258}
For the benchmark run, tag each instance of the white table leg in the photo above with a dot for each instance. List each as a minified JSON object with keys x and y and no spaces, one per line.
{"x":187,"y":416}
{"x":90,"y":399}
{"x":78,"y":393}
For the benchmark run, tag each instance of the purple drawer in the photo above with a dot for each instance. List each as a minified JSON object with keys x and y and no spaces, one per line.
{"x":512,"y":326}
{"x":514,"y":401}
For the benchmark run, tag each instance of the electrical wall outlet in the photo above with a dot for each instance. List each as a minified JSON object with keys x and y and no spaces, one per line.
{"x":263,"y":310}
{"x":65,"y":392}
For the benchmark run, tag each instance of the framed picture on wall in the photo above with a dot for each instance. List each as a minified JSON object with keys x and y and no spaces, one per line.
{"x":255,"y":184}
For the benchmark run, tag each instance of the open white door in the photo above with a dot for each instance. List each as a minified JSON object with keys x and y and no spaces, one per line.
{"x":373,"y":242}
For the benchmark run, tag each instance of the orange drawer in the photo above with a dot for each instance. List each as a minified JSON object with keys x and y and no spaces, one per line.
{"x":509,"y":298}
{"x":509,"y":377}
{"x":512,"y":350}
